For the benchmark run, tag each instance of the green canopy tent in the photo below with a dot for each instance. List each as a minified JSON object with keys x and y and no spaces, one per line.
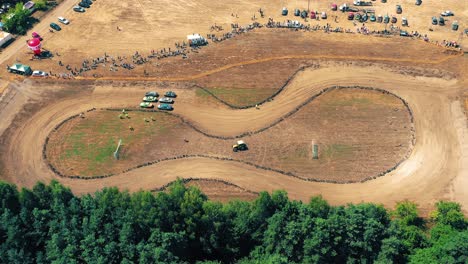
{"x":20,"y":69}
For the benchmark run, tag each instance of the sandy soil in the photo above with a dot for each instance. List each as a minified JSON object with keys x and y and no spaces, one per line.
{"x":425,"y":177}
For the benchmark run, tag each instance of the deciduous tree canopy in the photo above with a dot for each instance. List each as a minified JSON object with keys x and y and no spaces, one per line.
{"x":48,"y":224}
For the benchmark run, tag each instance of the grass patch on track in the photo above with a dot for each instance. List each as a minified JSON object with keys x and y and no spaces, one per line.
{"x":238,"y":96}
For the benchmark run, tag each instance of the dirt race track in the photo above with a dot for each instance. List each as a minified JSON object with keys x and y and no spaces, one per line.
{"x":360,"y":134}
{"x":436,"y":168}
{"x":430,"y":78}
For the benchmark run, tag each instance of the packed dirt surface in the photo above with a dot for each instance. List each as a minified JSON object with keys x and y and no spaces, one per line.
{"x":219,"y":190}
{"x":360,"y":134}
{"x":426,"y":176}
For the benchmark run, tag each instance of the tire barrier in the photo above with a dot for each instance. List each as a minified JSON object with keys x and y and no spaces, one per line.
{"x":187,"y":180}
{"x":286,"y":173}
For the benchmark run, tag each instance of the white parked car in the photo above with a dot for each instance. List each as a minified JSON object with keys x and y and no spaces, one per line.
{"x":63,"y":20}
{"x":447,"y":13}
{"x":39,"y":74}
{"x":166,"y":100}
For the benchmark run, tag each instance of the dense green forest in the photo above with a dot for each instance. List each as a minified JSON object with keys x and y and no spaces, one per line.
{"x":48,"y":224}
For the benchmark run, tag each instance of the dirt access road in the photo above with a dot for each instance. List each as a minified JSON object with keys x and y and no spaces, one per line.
{"x":435,"y":170}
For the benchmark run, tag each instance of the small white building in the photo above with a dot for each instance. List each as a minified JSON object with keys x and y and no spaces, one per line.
{"x":4,"y":37}
{"x":196,"y":40}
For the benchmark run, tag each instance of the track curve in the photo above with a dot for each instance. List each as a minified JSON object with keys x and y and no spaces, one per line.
{"x":424,"y":177}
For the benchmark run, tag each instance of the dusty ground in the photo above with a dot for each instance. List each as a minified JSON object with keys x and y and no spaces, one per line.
{"x":359,"y":133}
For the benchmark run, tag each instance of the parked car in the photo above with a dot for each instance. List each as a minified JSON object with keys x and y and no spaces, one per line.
{"x":166,"y":107}
{"x":404,"y":21}
{"x":284,"y":12}
{"x":170,"y":94}
{"x":55,"y":26}
{"x":434,"y":20}
{"x":39,"y":74}
{"x":84,"y":4}
{"x":404,"y":33}
{"x":372,"y":18}
{"x":150,"y":99}
{"x":418,"y":2}
{"x":297,"y":12}
{"x":152,"y":93}
{"x":324,"y":15}
{"x":78,"y":9}
{"x":313,"y":15}
{"x":35,"y":35}
{"x":379,"y":18}
{"x":63,"y":20}
{"x":146,"y":105}
{"x":441,"y":21}
{"x":166,"y":100}
{"x":399,"y":10}
{"x":447,"y":13}
{"x":386,"y":19}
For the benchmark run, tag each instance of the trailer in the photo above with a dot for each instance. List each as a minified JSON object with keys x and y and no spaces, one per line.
{"x":345,"y":7}
{"x":362,"y":3}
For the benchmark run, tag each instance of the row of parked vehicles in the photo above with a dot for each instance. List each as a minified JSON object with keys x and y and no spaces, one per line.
{"x":166,"y":102}
{"x":78,"y":8}
{"x":379,"y":19}
{"x":82,"y":5}
{"x":441,"y":20}
{"x":304,"y":13}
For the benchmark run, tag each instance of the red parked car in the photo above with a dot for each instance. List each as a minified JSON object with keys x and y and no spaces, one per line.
{"x":350,"y":16}
{"x":313,"y":15}
{"x":334,"y":7}
{"x":35,"y":35}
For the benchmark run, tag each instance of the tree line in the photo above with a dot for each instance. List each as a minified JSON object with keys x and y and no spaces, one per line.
{"x":49,"y":224}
